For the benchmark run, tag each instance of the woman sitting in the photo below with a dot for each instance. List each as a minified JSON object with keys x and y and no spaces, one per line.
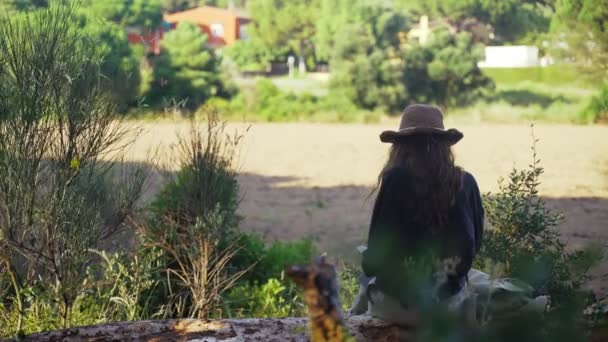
{"x":425,"y":206}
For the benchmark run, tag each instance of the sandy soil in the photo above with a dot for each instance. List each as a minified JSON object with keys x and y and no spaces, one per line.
{"x":313,"y":179}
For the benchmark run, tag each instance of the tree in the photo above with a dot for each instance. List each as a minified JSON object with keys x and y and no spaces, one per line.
{"x":248,"y":55}
{"x":120,"y":67}
{"x":333,"y":16}
{"x":384,"y":22}
{"x":22,"y":5}
{"x":583,"y":24}
{"x":289,"y":23}
{"x":187,"y":70}
{"x":145,"y":14}
{"x":511,"y":20}
{"x":445,"y":71}
{"x":364,"y":73}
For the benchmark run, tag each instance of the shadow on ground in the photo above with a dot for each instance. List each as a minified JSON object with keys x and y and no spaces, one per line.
{"x":525,"y":98}
{"x":337,"y":217}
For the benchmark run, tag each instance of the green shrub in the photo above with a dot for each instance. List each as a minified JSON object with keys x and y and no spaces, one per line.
{"x":260,"y":293}
{"x":524,"y":242}
{"x":206,"y":179}
{"x":597,"y":109}
{"x":266,"y":102}
{"x":273,"y":298}
{"x":270,"y":260}
{"x":59,"y":198}
{"x":193,"y":222}
{"x":348,"y":281}
{"x":115,"y":289}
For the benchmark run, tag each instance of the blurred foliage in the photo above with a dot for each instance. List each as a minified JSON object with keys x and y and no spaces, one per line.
{"x":580,"y":37}
{"x":266,"y":102}
{"x":511,"y":20}
{"x":443,"y":72}
{"x":11,"y":6}
{"x":597,"y":109}
{"x":249,"y":55}
{"x":63,"y":195}
{"x":278,"y":23}
{"x":341,"y":21}
{"x":273,"y":298}
{"x":187,"y":71}
{"x":581,"y":24}
{"x":120,"y":67}
{"x":522,"y":239}
{"x":146,"y":14}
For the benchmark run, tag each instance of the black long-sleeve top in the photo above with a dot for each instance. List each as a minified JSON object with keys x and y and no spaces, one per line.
{"x":394,"y":235}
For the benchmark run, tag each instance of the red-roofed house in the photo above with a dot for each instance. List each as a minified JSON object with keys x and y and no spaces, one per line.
{"x":222,"y":26}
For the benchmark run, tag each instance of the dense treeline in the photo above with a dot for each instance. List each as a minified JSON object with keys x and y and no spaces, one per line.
{"x":374,"y":64}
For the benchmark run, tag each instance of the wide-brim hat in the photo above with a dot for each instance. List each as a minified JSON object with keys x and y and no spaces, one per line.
{"x":420,"y":119}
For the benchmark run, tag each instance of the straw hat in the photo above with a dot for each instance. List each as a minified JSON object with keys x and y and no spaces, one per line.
{"x":421,"y":119}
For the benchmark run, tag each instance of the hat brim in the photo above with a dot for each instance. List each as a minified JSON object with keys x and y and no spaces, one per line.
{"x":451,"y":135}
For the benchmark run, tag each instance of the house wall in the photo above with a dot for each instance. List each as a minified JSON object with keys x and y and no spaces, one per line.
{"x":510,"y":57}
{"x":205,"y":17}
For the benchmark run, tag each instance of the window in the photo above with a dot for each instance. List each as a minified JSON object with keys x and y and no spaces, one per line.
{"x":217,"y":30}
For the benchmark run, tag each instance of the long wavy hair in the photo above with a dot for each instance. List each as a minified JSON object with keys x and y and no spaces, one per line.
{"x":436,"y":178}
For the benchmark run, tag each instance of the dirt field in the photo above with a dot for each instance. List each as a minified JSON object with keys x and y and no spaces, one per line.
{"x":312,"y":179}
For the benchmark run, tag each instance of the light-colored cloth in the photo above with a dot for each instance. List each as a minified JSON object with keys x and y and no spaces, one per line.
{"x":481,"y":299}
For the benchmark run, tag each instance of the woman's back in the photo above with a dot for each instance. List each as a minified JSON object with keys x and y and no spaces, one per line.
{"x":397,"y":233}
{"x":426,"y":205}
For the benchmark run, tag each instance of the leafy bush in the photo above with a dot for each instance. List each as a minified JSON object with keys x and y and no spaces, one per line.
{"x":348,"y":280}
{"x":57,"y":120}
{"x":206,"y":179}
{"x":193,"y":222}
{"x":270,"y":260}
{"x":273,"y":298}
{"x":115,"y":288}
{"x":597,"y":109}
{"x":522,"y":239}
{"x":262,"y":291}
{"x":266,"y":102}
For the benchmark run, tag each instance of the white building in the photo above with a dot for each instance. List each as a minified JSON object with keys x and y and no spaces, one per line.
{"x":510,"y":57}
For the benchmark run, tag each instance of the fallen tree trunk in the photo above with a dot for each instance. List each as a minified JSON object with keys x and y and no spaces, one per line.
{"x":363,"y":328}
